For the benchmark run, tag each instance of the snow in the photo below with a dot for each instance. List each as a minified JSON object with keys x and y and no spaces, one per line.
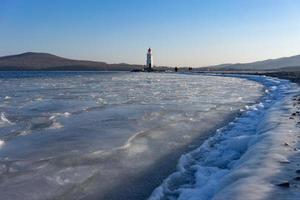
{"x":255,"y":176}
{"x":247,"y":159}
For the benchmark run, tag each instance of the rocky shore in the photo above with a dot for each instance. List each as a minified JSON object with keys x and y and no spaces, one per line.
{"x":291,"y":184}
{"x":292,"y":76}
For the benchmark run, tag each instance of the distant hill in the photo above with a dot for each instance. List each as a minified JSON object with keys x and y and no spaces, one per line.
{"x":45,"y":61}
{"x":286,"y":63}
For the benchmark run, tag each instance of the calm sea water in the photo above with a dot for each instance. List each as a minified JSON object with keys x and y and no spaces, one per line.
{"x":91,"y":135}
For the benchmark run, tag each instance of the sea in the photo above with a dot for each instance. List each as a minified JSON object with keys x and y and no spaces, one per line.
{"x":108,"y":135}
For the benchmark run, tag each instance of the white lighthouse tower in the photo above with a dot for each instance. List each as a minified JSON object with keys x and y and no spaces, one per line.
{"x":149,"y":63}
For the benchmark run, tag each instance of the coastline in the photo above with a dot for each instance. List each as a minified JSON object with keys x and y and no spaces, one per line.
{"x":293,"y":76}
{"x":211,"y":179}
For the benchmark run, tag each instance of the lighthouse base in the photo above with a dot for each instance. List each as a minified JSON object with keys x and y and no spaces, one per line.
{"x":148,"y":69}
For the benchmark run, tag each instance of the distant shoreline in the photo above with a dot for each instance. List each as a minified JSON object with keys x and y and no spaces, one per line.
{"x":293,"y":76}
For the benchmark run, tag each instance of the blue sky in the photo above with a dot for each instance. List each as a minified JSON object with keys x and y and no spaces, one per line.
{"x":180,"y":32}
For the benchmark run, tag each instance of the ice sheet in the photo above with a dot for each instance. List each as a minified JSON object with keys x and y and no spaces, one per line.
{"x":107,"y":135}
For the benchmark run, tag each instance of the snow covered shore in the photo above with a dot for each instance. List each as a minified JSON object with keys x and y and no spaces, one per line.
{"x":254,"y":157}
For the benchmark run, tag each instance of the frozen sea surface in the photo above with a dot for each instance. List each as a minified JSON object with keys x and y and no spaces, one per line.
{"x":89,"y":135}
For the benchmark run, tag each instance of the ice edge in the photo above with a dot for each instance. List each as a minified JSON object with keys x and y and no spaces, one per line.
{"x":240,"y":159}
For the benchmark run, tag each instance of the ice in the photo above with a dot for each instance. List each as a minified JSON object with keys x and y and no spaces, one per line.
{"x":1,"y":143}
{"x":4,"y":121}
{"x":245,"y":159}
{"x":93,"y":132}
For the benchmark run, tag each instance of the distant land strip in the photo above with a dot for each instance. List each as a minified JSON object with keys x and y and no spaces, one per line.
{"x":32,"y":61}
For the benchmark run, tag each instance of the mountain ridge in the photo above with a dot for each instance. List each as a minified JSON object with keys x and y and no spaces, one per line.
{"x":290,"y":63}
{"x":46,"y":61}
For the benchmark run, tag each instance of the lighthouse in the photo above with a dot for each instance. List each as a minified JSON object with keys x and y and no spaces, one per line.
{"x":149,"y":62}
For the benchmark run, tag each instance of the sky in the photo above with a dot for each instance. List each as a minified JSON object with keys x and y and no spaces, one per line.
{"x":180,"y":32}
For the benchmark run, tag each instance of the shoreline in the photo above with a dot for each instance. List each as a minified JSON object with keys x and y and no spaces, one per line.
{"x":208,"y":173}
{"x":293,"y":76}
